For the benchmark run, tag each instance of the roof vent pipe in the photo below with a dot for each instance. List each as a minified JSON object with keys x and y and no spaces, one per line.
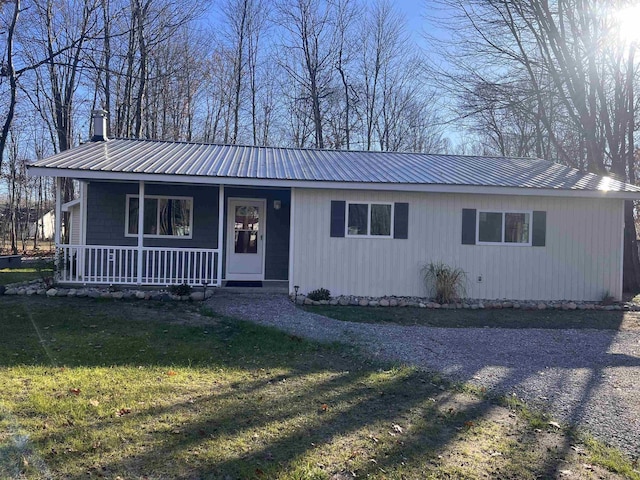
{"x":99,"y":118}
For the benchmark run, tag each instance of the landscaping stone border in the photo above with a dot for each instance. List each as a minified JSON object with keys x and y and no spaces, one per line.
{"x":38,"y":287}
{"x":470,"y":304}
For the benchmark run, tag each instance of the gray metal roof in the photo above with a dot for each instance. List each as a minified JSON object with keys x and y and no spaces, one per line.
{"x":270,"y":163}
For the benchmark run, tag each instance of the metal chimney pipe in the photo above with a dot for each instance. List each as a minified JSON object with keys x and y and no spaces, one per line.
{"x":99,"y":118}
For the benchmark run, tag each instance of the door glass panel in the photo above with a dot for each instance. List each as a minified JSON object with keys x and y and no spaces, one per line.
{"x":246,"y":226}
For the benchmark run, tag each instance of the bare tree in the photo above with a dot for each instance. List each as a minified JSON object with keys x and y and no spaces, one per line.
{"x":310,"y":47}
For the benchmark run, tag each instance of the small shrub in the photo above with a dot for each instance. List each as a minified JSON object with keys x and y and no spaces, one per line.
{"x":607,"y":299}
{"x":319,"y":294}
{"x":445,"y":282}
{"x":181,"y":290}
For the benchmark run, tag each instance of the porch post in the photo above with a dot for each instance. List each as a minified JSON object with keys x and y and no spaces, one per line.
{"x":140,"y":229}
{"x":57,"y":261}
{"x":220,"y":234}
{"x":58,"y":214}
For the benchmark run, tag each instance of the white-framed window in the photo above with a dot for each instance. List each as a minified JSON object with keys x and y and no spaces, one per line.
{"x":164,"y":216}
{"x":504,"y":228}
{"x":366,"y":219}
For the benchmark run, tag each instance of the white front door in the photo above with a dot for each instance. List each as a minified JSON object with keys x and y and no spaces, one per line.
{"x":245,"y":239}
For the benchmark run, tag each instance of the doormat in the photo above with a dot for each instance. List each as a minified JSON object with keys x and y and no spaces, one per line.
{"x":243,"y":283}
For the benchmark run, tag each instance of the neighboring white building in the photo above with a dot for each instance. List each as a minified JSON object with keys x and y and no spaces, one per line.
{"x":44,"y":227}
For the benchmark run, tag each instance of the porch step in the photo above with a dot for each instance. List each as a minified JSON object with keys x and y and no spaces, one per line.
{"x":267,"y":287}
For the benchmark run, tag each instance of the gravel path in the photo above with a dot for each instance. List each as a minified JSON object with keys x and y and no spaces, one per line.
{"x":589,"y":378}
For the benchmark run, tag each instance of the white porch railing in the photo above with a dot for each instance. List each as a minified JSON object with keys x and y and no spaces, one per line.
{"x":101,"y":264}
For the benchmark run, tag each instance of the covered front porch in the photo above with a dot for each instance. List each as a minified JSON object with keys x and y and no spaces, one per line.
{"x":199,"y":235}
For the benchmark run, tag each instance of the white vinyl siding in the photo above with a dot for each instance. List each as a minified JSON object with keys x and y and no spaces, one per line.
{"x":581,"y":259}
{"x":75,"y":237}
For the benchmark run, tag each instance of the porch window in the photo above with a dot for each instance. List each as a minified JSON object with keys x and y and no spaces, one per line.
{"x":504,"y":228}
{"x":163,"y":216}
{"x":369,"y":219}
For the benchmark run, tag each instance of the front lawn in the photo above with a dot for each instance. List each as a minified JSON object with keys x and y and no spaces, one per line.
{"x":31,"y":270}
{"x":466,"y":318}
{"x":144,"y":390}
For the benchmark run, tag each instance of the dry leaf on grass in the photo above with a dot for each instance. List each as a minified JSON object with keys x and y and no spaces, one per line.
{"x":397,"y":428}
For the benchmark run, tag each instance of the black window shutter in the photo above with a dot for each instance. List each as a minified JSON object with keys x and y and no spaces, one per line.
{"x":401,"y":220}
{"x":468,"y":226}
{"x":539,"y":229}
{"x":338,"y":208}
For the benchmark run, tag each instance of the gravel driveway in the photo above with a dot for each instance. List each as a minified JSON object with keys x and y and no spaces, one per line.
{"x":589,"y":378}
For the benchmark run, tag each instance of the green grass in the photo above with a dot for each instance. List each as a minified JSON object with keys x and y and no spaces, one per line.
{"x":14,"y":275}
{"x":149,"y":390}
{"x":505,"y":318}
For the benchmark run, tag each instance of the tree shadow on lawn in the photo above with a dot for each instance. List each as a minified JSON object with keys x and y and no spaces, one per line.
{"x":297,"y":403}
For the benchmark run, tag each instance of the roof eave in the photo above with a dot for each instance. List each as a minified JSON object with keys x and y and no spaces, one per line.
{"x":261,"y":182}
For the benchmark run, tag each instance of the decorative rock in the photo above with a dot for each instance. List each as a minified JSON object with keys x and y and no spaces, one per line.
{"x":300,"y":299}
{"x":197,"y":296}
{"x":62,"y":292}
{"x":105,"y":295}
{"x":117,"y":295}
{"x":422,"y":305}
{"x":343,"y":301}
{"x":403,"y":303}
{"x":93,"y":294}
{"x":436,"y":305}
{"x":542,"y":306}
{"x":374,"y":303}
{"x":354,"y":301}
{"x":308,"y":301}
{"x":82,"y":293}
{"x":30,"y":292}
{"x":481,"y":305}
{"x":52,"y":292}
{"x":22,"y":291}
{"x":393,"y":302}
{"x":474,"y":307}
{"x":385,"y":303}
{"x":324,"y":302}
{"x":140,"y":295}
{"x":363,"y":302}
{"x":72,"y":292}
{"x":507,"y":305}
{"x":333,"y":302}
{"x":208,"y":294}
{"x":516,"y":306}
{"x":11,"y":291}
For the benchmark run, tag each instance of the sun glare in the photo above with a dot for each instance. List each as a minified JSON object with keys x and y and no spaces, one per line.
{"x":628,"y":20}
